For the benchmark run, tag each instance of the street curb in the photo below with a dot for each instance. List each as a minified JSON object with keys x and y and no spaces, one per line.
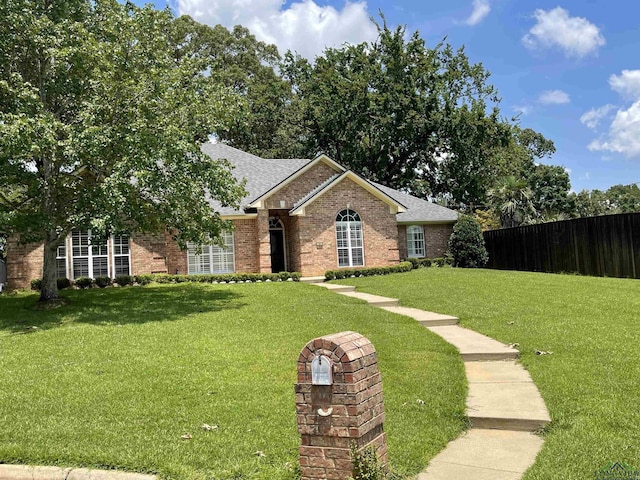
{"x":28,"y":472}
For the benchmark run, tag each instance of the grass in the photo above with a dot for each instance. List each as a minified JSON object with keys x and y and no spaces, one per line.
{"x":115,"y":378}
{"x":591,"y":326}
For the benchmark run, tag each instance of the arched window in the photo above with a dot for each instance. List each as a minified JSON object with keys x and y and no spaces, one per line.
{"x":349,"y":239}
{"x":415,"y":241}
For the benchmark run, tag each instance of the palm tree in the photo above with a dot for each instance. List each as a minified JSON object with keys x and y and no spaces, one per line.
{"x":511,"y":198}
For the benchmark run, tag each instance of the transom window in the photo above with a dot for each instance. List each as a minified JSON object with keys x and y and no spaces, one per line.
{"x":93,"y":256}
{"x":89,"y":255}
{"x":212,"y":258}
{"x":349,"y":239}
{"x":415,"y":241}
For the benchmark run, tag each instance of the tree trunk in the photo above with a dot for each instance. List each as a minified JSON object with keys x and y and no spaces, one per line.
{"x":49,"y":290}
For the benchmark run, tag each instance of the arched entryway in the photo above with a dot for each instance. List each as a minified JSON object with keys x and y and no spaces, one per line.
{"x":278,"y":245}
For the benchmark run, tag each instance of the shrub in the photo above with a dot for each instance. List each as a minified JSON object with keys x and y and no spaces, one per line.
{"x":36,"y":284}
{"x":103,"y":281}
{"x":466,"y":244}
{"x":63,"y":283}
{"x":84,"y":282}
{"x":367,"y":272}
{"x":124,"y":280}
{"x":139,"y":279}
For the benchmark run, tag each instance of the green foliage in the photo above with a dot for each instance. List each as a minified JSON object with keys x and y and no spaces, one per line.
{"x":101,"y":125}
{"x":84,"y":282}
{"x":164,"y":278}
{"x":102,"y":281}
{"x":124,"y":280}
{"x":617,"y":199}
{"x":466,"y":244}
{"x":366,"y":465}
{"x":367,"y":272}
{"x":36,"y":284}
{"x":397,"y":112}
{"x":63,"y":283}
{"x":512,"y":199}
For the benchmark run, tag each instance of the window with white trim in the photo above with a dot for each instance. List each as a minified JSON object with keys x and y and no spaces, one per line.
{"x":349,"y":239}
{"x":89,"y":255}
{"x":61,"y":261}
{"x":212,"y":258}
{"x":121,"y":255}
{"x":415,"y":241}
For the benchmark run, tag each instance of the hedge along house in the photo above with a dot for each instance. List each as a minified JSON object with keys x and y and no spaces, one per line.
{"x":299,"y":215}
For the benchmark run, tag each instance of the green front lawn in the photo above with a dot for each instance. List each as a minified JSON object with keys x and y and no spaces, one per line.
{"x":117,"y":377}
{"x":590,"y":381}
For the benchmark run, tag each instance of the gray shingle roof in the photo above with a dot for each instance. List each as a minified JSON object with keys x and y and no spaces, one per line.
{"x":263,"y":174}
{"x":419,"y":210}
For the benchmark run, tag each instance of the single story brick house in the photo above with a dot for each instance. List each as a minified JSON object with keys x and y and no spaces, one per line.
{"x":299,"y":215}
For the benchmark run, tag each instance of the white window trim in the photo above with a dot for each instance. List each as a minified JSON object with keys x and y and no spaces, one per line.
{"x":411,"y":253}
{"x":65,"y":244}
{"x":349,"y":247}
{"x":111,"y":265}
{"x":191,"y":252}
{"x":89,"y":256}
{"x":112,"y":251}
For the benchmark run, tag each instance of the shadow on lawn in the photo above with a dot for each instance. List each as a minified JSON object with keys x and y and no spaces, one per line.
{"x":116,"y":306}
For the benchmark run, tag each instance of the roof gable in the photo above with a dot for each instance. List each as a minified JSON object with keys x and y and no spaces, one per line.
{"x":259,"y":201}
{"x":394,"y":206}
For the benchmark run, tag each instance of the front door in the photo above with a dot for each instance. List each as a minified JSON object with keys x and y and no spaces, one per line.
{"x":277,"y":251}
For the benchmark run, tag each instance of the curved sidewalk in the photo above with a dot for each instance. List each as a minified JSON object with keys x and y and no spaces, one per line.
{"x":27,"y":472}
{"x":503,"y":405}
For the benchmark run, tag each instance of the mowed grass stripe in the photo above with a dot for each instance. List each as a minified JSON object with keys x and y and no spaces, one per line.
{"x":114,"y":379}
{"x":591,"y":326}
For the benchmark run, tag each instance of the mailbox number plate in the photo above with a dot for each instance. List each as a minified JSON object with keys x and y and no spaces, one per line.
{"x":321,"y":371}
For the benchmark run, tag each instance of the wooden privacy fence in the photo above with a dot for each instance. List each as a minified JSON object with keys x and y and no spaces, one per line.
{"x":608,"y":246}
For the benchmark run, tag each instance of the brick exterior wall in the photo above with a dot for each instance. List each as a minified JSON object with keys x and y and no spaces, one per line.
{"x":317,"y":231}
{"x":24,"y":263}
{"x":149,"y":253}
{"x":300,"y":187}
{"x":356,"y":397}
{"x":246,"y":248}
{"x":436,"y":239}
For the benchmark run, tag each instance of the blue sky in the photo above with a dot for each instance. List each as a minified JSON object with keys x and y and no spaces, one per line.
{"x":570,"y":68}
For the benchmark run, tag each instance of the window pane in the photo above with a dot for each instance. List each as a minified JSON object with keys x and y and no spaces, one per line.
{"x":121,"y":265}
{"x":80,"y":267}
{"x":100,"y":267}
{"x":357,"y":257}
{"x":61,"y":268}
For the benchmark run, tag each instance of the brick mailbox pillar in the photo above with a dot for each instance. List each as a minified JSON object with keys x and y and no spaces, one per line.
{"x":338,"y":403}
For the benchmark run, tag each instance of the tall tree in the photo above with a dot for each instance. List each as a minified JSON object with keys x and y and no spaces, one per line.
{"x":511,"y":198}
{"x":100,"y":125}
{"x":550,"y":187}
{"x":398,"y":112}
{"x":235,"y":59}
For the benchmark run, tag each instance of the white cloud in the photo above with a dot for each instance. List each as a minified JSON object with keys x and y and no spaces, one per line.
{"x":626,"y":84}
{"x":523,"y":109}
{"x":303,"y":26}
{"x":576,"y":36}
{"x":593,"y":117}
{"x":556,"y":97}
{"x":624,"y":133}
{"x":481,"y":9}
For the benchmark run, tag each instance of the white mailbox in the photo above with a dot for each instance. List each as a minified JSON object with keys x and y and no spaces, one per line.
{"x":321,"y":371}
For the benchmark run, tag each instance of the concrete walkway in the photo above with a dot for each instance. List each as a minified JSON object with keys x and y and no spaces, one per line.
{"x":503,"y":405}
{"x":27,"y":472}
